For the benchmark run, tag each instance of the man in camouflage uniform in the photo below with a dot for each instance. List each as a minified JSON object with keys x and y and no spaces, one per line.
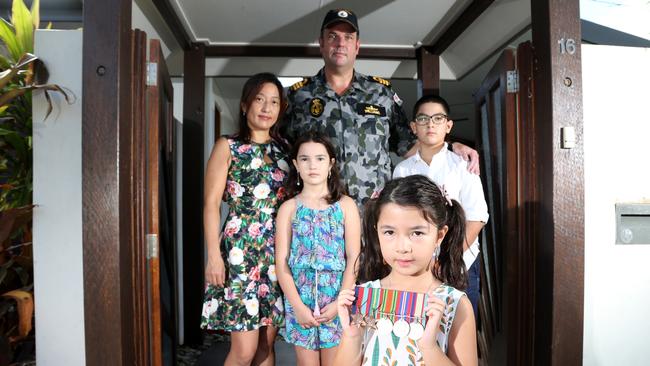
{"x":362,"y":115}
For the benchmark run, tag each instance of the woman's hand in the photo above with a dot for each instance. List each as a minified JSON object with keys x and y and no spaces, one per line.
{"x":434,"y":310}
{"x":304,"y":316}
{"x":346,"y":297}
{"x":328,"y":312}
{"x":215,"y":271}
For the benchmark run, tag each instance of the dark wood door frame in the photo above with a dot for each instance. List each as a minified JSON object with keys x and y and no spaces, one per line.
{"x":428,"y":72}
{"x":106,"y":114}
{"x":193,"y":166}
{"x":559,"y":256}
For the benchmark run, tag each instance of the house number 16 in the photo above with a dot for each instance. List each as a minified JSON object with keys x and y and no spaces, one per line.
{"x":567,"y":46}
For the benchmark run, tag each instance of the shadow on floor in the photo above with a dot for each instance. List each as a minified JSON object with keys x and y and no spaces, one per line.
{"x":216,"y":355}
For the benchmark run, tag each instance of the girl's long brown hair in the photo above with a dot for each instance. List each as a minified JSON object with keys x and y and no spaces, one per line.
{"x":334,"y":185}
{"x":420,"y":192}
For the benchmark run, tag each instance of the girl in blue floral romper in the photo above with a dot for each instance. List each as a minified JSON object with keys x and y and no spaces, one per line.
{"x":317,"y":243}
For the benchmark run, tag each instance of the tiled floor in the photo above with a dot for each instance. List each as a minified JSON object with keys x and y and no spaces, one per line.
{"x":215,"y":348}
{"x":284,"y":354}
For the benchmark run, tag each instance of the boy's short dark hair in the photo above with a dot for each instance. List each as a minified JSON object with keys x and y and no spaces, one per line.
{"x":431,"y":99}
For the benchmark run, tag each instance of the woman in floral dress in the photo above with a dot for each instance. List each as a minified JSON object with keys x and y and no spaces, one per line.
{"x":247,"y":171}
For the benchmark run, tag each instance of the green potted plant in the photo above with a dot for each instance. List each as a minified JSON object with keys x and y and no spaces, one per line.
{"x":21,"y":74}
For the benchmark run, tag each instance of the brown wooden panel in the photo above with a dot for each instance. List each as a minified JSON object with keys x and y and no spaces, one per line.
{"x":497,"y":132}
{"x":193,"y":127}
{"x":522,"y":307}
{"x":560,"y":251}
{"x":153,"y":213}
{"x":138,"y":180}
{"x":428,"y":72}
{"x":106,"y":195}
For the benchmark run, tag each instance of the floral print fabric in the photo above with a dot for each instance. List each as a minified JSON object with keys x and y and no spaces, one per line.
{"x":317,"y":262}
{"x":392,"y":350}
{"x":251,"y":296}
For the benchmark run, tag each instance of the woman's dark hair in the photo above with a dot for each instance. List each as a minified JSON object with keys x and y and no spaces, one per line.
{"x":334,"y":185}
{"x":420,"y":192}
{"x":250,"y":90}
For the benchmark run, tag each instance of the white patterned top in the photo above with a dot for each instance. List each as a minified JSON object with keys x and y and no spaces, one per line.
{"x":388,"y":349}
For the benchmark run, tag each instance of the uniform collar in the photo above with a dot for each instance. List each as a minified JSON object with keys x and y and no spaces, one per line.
{"x":357,"y":79}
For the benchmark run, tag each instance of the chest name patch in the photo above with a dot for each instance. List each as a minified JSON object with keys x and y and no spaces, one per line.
{"x":372,"y":109}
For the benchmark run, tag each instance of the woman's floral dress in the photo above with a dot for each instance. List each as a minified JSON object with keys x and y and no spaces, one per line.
{"x":251,"y":297}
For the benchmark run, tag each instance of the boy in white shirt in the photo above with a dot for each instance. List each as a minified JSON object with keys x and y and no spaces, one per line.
{"x":431,"y":124}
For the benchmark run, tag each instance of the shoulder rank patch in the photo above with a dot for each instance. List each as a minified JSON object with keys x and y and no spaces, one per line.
{"x":381,"y":80}
{"x":316,"y":107}
{"x":300,"y":84}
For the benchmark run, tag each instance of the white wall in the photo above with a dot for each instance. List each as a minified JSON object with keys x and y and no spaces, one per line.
{"x":58,"y":262}
{"x":616,"y":148}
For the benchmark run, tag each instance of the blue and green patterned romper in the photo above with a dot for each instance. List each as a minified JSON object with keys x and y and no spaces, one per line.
{"x":317,"y":262}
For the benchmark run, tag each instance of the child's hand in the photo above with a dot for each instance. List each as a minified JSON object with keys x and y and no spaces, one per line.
{"x":305,"y":317}
{"x":434,"y":309}
{"x":346,"y":297}
{"x":328,"y":312}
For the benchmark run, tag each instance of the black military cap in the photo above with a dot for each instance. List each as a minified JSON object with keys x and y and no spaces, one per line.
{"x":340,"y":15}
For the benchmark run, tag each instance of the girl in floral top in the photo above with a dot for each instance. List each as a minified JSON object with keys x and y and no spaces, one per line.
{"x":247,"y":171}
{"x":413,"y":242}
{"x":317,"y":243}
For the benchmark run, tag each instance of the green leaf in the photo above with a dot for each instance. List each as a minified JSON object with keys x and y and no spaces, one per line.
{"x":36,"y":17}
{"x":395,"y":338}
{"x":18,"y":144}
{"x":7,"y":97}
{"x":4,"y":132}
{"x":375,"y":354}
{"x":4,"y":62}
{"x":22,"y":21}
{"x":8,"y":36}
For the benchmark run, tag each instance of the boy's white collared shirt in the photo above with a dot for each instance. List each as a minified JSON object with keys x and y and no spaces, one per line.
{"x":450,"y":170}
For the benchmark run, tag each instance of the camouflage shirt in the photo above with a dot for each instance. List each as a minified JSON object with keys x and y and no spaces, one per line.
{"x":364,"y":124}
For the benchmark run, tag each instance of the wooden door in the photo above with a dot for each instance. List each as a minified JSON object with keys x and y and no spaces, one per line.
{"x":152,"y":209}
{"x":506,"y":141}
{"x":161,"y":261}
{"x":138,"y":182}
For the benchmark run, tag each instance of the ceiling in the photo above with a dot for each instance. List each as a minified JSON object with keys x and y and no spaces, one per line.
{"x":401,"y":24}
{"x":389,"y":24}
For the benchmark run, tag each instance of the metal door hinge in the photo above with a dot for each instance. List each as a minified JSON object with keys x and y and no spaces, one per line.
{"x":512,"y":83}
{"x":152,"y":74}
{"x":152,"y":246}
